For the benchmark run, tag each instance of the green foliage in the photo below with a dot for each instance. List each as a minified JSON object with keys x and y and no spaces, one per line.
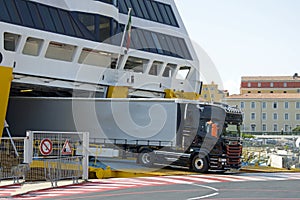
{"x":245,"y":135}
{"x":297,"y":129}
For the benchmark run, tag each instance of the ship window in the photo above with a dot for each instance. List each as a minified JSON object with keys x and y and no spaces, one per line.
{"x":184,"y":48}
{"x":25,"y":14}
{"x":137,"y":8}
{"x":32,"y":46}
{"x":142,"y":39}
{"x":4,"y":12}
{"x":164,"y":44}
{"x":135,"y":39}
{"x":123,"y":7}
{"x":37,"y":21}
{"x":129,"y":5}
{"x":171,"y":46}
{"x":156,"y":68}
{"x":171,"y":15}
{"x":169,"y":70}
{"x":157,"y":43}
{"x":183,"y":72}
{"x":104,"y":29}
{"x":150,"y":41}
{"x":164,"y":13}
{"x":157,"y":12}
{"x":66,"y":20}
{"x":60,"y":51}
{"x":144,"y":9}
{"x":138,"y":65}
{"x":177,"y":47}
{"x":11,"y":41}
{"x":151,"y":10}
{"x":46,"y":17}
{"x":88,"y":20}
{"x":13,"y":12}
{"x":97,"y":58}
{"x":56,"y":19}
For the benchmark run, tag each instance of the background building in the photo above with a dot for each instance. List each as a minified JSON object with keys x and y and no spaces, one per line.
{"x":270,"y":84}
{"x":211,"y":93}
{"x":268,"y":112}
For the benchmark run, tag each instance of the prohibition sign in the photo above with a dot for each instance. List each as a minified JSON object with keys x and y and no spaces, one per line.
{"x":46,"y":147}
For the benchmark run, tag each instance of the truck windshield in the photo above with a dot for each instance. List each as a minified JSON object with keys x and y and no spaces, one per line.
{"x":231,"y":130}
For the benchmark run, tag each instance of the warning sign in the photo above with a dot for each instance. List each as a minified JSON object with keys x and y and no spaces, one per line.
{"x":46,"y":147}
{"x":67,"y":148}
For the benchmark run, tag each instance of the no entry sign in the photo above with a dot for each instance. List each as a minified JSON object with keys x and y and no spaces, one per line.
{"x":46,"y":147}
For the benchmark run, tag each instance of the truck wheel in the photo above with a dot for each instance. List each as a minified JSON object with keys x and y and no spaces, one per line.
{"x":146,"y":157}
{"x":199,"y":164}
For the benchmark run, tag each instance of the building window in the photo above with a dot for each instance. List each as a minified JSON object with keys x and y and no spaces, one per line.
{"x":252,"y":116}
{"x":259,"y":84}
{"x":249,"y":84}
{"x":275,"y":116}
{"x":275,"y":105}
{"x":284,"y":84}
{"x":253,"y":127}
{"x":264,"y":105}
{"x":275,"y":127}
{"x":286,"y":105}
{"x":286,"y":116}
{"x":271,"y":84}
{"x":253,"y":105}
{"x":242,"y":104}
{"x":264,"y":116}
{"x":286,"y":128}
{"x":297,"y":117}
{"x":298,"y":104}
{"x":264,"y":127}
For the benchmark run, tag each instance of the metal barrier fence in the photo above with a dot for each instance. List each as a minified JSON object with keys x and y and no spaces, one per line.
{"x":10,"y":160}
{"x":63,"y":168}
{"x":55,"y":156}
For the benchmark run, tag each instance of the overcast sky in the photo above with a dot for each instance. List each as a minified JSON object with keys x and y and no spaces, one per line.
{"x":246,"y":37}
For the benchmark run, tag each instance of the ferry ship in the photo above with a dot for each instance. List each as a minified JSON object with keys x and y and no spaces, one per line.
{"x":59,"y":48}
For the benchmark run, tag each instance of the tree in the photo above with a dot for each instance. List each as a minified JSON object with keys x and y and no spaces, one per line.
{"x":297,"y":129}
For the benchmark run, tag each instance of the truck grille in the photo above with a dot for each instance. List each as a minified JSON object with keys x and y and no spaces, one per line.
{"x":234,"y":153}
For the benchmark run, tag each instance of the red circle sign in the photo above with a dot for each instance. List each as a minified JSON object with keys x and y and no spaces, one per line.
{"x":46,"y":147}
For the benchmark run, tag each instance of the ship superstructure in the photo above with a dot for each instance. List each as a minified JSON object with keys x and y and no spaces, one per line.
{"x":67,"y":47}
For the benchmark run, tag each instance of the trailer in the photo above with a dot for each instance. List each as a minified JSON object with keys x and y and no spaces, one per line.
{"x":192,"y":134}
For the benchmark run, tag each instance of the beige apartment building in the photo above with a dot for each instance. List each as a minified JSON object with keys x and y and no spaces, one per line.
{"x":268,"y":112}
{"x":212,"y":93}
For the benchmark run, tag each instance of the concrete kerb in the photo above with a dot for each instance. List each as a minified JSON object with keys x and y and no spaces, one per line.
{"x":260,"y":169}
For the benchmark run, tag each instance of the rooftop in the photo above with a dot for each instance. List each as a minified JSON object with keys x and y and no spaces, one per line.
{"x":265,"y":96}
{"x":271,"y":78}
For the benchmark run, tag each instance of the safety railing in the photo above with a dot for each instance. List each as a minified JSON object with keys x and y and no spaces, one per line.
{"x":63,"y":168}
{"x":19,"y":171}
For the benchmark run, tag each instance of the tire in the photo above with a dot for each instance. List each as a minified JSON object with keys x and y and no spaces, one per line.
{"x":146,"y":157}
{"x":199,"y":164}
